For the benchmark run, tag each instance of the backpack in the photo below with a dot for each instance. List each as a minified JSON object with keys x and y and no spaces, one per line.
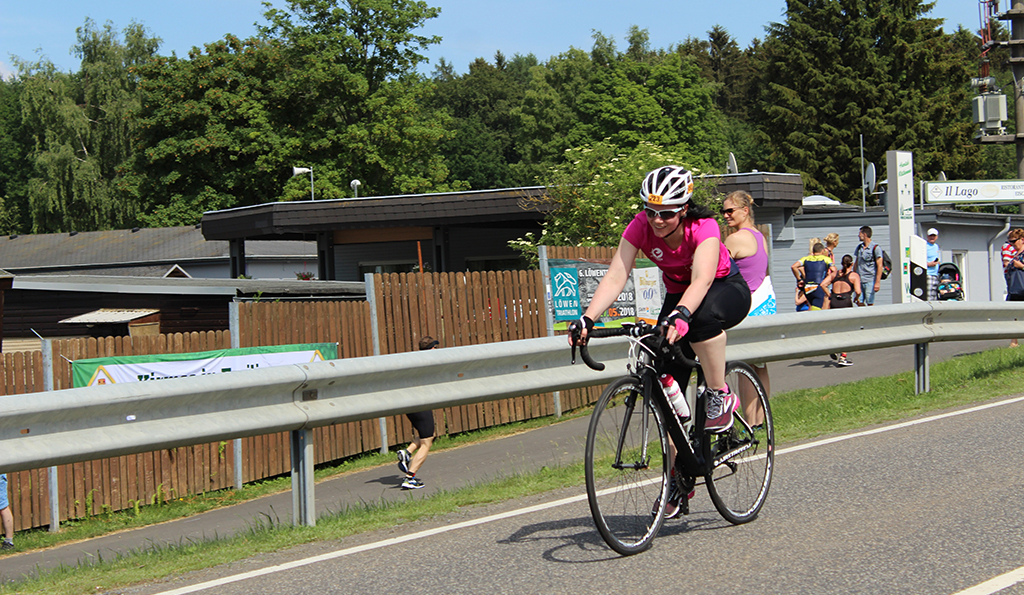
{"x":886,"y":265}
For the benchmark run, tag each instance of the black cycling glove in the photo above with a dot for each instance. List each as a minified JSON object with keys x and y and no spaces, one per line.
{"x":576,"y":328}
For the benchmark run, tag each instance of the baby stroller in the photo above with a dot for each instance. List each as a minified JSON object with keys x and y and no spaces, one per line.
{"x":950,"y":284}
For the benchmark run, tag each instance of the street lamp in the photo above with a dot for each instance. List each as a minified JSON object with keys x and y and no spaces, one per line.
{"x":298,"y":171}
{"x":355,"y":184}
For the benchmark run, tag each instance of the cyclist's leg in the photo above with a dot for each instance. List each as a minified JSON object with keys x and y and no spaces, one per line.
{"x":749,"y":402}
{"x":725,"y":305}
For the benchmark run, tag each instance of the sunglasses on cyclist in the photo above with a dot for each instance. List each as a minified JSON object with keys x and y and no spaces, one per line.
{"x":665,"y":215}
{"x":729,"y":211}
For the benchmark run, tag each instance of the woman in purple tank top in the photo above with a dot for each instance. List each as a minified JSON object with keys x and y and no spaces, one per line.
{"x":746,"y":245}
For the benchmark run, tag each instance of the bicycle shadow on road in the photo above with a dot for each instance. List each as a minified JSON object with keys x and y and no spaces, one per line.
{"x":576,"y":540}
{"x":813,"y":363}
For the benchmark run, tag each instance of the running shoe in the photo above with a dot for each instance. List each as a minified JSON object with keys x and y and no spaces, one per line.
{"x":411,"y":483}
{"x":842,"y":361}
{"x":676,"y":504}
{"x":720,"y":407}
{"x":403,"y":460}
{"x":7,"y":545}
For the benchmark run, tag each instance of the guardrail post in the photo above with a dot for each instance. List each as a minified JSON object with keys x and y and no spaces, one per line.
{"x":303,"y":504}
{"x":371,"y":297}
{"x":51,"y":477}
{"x":922,"y":372}
{"x":549,"y":318}
{"x":236,"y":343}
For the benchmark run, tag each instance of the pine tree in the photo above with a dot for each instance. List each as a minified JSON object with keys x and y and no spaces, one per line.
{"x":836,"y":69}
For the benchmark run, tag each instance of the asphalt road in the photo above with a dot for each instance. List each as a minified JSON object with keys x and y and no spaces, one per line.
{"x":931,"y":508}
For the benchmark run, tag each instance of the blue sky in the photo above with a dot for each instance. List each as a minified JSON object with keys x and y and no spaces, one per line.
{"x":469,"y":28}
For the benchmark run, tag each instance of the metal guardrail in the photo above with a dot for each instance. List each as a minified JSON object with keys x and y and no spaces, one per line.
{"x":67,"y":426}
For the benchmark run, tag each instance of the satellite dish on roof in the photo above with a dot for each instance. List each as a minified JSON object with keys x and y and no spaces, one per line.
{"x":731,"y":167}
{"x":869,"y":178}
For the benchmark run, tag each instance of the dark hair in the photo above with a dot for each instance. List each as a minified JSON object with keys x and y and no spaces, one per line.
{"x":847,"y":261}
{"x":866,"y":231}
{"x":427,"y":342}
{"x":818,"y":247}
{"x":697,"y":211}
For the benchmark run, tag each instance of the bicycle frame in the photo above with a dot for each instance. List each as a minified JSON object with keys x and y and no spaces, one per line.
{"x":693,"y":456}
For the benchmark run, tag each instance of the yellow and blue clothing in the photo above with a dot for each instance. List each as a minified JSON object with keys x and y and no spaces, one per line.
{"x":816,"y":268}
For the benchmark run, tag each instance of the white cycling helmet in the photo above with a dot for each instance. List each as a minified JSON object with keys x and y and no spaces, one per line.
{"x":669,"y":185}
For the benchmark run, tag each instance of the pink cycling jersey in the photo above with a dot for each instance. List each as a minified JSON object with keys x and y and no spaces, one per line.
{"x":677,"y":265}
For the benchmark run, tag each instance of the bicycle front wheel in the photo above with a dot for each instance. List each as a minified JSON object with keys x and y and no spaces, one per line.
{"x":744,"y":456}
{"x":627,"y":467}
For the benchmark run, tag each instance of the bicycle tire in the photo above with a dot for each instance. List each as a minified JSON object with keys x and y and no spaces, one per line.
{"x":739,"y":484}
{"x":628,"y":502}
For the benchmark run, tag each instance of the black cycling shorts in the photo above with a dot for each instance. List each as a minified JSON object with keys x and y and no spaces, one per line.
{"x":423,"y":421}
{"x":725,"y":305}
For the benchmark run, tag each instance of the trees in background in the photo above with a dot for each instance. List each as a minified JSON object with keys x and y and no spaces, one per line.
{"x":15,"y":165}
{"x":837,"y":69}
{"x":326,"y":85}
{"x":138,"y":138}
{"x":81,"y":128}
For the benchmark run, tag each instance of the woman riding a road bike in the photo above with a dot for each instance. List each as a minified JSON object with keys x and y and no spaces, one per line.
{"x":706,"y":293}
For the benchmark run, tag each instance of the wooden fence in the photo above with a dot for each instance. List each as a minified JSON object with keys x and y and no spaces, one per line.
{"x":455,"y":308}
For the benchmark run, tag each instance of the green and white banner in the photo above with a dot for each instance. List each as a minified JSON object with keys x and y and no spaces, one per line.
{"x":144,"y":368}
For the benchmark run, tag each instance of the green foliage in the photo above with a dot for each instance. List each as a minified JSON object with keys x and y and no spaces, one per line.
{"x":328,"y":85}
{"x":596,"y":193}
{"x":619,"y":98}
{"x":15,"y":165}
{"x":837,"y":69}
{"x":481,"y":148}
{"x":82,"y":128}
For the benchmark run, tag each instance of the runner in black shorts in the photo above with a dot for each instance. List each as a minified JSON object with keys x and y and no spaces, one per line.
{"x":411,"y":458}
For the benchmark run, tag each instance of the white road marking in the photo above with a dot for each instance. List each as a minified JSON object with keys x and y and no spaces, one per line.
{"x":997,"y":584}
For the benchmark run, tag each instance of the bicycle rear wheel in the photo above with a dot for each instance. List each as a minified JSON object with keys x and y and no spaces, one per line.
{"x":627,"y":467}
{"x":744,"y":456}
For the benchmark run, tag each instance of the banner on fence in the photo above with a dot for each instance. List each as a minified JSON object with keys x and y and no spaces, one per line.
{"x":573,"y":284}
{"x":143,"y":368}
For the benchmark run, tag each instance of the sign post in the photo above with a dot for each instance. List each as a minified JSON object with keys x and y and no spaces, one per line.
{"x":900,"y":204}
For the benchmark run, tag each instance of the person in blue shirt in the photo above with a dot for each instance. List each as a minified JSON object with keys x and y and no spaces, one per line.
{"x":934,"y":253}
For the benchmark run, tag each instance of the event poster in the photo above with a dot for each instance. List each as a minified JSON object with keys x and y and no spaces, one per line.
{"x":573,"y":284}
{"x":144,"y":368}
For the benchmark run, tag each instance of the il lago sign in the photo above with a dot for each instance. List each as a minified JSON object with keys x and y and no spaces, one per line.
{"x":975,"y":191}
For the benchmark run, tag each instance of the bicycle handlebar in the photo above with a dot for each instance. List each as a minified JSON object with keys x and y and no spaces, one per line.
{"x":640,"y":329}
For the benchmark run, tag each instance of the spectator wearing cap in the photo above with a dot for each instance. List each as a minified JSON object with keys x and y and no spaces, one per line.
{"x":933,"y":255}
{"x":411,"y":457}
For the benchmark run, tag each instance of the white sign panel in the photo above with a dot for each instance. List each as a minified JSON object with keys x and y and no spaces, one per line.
{"x":900,"y":202}
{"x":647,"y":283}
{"x":983,"y":191}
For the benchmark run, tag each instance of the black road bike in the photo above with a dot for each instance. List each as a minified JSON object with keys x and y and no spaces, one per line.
{"x":629,"y":474}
